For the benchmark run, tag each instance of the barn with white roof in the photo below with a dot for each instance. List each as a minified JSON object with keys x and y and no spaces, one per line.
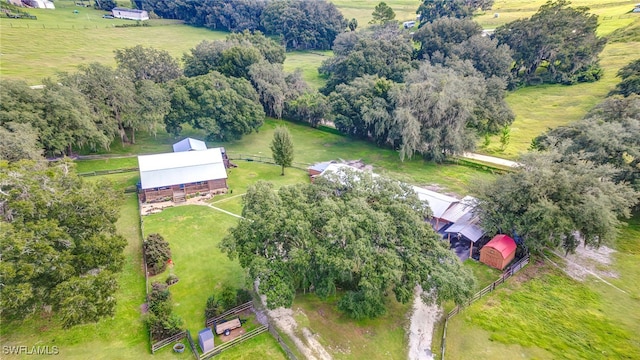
{"x":175,"y":176}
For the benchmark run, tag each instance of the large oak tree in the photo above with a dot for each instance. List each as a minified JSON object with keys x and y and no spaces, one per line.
{"x":58,"y":243}
{"x":352,"y":231}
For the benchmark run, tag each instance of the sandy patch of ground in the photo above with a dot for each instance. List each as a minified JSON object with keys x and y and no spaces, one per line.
{"x":423,"y":320}
{"x":153,"y":208}
{"x":306,"y":342}
{"x":590,"y":261}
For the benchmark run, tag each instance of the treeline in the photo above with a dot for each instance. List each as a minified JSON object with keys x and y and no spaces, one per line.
{"x":300,"y":24}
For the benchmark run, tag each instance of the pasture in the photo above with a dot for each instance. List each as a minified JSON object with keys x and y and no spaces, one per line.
{"x":60,"y":40}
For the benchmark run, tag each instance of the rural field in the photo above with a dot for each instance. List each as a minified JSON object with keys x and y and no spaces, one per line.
{"x":540,"y":313}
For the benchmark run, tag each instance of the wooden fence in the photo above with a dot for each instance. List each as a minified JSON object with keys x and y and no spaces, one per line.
{"x":229,"y":344}
{"x":283,"y":345}
{"x":238,"y":309}
{"x":505,"y":275}
{"x":167,"y":341}
{"x":264,"y":159}
{"x":108,"y":172}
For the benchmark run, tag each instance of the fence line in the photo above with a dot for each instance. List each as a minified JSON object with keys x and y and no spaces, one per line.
{"x":283,"y":345}
{"x":194,"y":349}
{"x":108,"y":172}
{"x":240,"y":308}
{"x":166,"y":341}
{"x":513,"y":269}
{"x":264,"y":159}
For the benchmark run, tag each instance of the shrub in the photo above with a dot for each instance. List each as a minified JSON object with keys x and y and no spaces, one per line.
{"x":172,"y":279}
{"x":161,"y":320}
{"x":163,"y":327}
{"x":227,"y":299}
{"x":213,"y":308}
{"x":243,"y":296}
{"x":157,"y":253}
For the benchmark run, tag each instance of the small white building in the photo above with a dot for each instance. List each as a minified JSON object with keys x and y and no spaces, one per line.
{"x":130,"y":14}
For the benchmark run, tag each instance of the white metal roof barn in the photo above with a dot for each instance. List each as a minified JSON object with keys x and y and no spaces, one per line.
{"x":181,"y":168}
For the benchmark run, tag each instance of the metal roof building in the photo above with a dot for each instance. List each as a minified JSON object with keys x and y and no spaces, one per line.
{"x":189,"y":144}
{"x":439,"y":203}
{"x":181,"y":168}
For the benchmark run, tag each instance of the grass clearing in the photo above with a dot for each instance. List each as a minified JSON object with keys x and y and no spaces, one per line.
{"x":344,"y":338}
{"x":308,"y":62}
{"x":539,"y":108}
{"x":311,"y":146}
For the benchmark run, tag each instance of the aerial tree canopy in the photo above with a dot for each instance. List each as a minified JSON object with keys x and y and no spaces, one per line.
{"x":630,"y":79}
{"x":558,"y":44}
{"x":58,"y":242}
{"x":352,"y":231}
{"x":452,"y":38}
{"x":382,"y":14}
{"x":225,"y":107}
{"x":364,"y":108}
{"x":302,"y":24}
{"x":111,"y":95}
{"x":440,"y":109}
{"x":59,"y":116}
{"x":275,"y":87}
{"x":556,"y":200}
{"x":431,"y":10}
{"x":608,"y":134}
{"x":233,"y":56}
{"x":147,"y":63}
{"x":380,"y":50}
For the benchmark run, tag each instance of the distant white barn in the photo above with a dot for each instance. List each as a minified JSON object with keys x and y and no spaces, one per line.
{"x":130,"y":14}
{"x":174,"y":176}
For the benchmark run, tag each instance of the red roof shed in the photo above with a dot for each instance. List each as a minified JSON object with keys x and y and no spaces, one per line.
{"x":498,"y":252}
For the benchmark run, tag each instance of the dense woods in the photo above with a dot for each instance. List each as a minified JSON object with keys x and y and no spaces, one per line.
{"x":300,"y":24}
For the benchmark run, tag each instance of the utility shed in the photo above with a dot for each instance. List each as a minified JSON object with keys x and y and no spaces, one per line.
{"x":498,"y":252}
{"x":205,"y":339}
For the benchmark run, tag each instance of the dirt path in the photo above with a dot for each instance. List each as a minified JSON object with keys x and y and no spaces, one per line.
{"x":490,"y":159}
{"x":423,"y":320}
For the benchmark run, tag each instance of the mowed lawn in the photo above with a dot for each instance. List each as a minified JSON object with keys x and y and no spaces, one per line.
{"x":541,"y":313}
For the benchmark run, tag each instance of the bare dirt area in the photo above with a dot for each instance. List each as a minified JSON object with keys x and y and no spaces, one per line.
{"x":154,"y":208}
{"x":305,"y":341}
{"x":423,"y":319}
{"x":590,"y":261}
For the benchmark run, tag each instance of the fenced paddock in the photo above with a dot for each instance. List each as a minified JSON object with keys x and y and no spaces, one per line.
{"x":509,"y":272}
